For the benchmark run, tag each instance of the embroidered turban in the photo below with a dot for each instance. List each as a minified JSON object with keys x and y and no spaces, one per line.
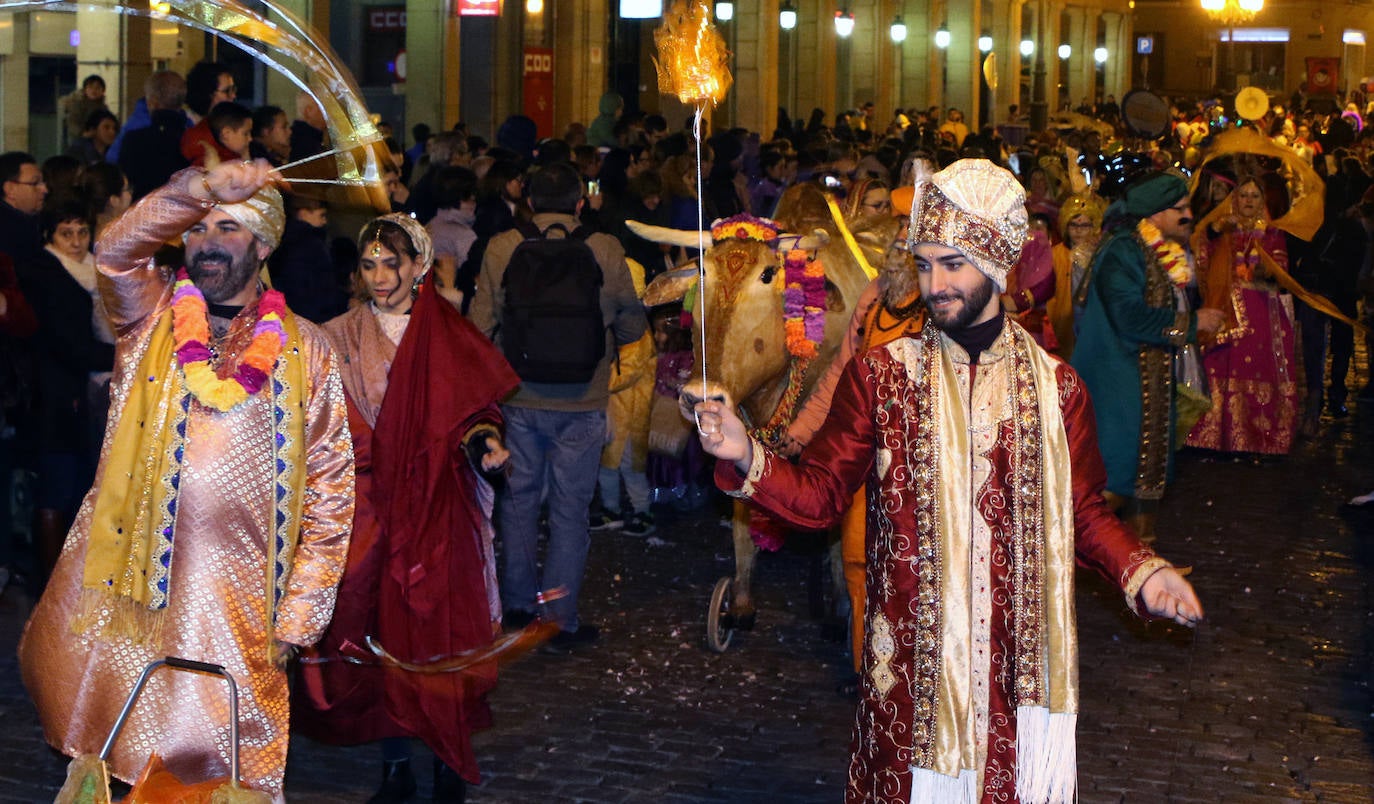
{"x":976,"y":207}
{"x":262,"y":215}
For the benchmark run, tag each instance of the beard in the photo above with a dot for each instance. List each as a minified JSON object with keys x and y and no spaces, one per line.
{"x":960,"y":317}
{"x":220,"y":275}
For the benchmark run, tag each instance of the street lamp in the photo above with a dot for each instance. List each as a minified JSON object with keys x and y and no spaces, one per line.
{"x":942,"y":38}
{"x":1065,"y":51}
{"x":898,"y":30}
{"x":725,"y":11}
{"x":1100,"y":55}
{"x":787,"y":16}
{"x":844,"y":24}
{"x":1229,"y":14}
{"x":984,"y":44}
{"x":641,"y":9}
{"x":1027,"y":47}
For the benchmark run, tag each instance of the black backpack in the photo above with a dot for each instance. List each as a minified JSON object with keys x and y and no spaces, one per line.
{"x":551,"y":324}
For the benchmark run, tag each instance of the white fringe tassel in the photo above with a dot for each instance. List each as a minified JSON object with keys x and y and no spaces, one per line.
{"x":929,"y":787}
{"x":1046,"y":756}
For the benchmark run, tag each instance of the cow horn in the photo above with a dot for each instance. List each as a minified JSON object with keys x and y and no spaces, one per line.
{"x":686,"y":238}
{"x":817,"y":239}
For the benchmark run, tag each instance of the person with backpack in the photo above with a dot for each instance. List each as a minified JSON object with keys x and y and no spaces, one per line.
{"x":557,"y":301}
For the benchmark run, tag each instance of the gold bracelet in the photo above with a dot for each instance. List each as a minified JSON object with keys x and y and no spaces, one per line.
{"x":205,"y":182}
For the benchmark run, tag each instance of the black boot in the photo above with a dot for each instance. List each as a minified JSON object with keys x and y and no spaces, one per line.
{"x":448,"y":786}
{"x":398,"y":783}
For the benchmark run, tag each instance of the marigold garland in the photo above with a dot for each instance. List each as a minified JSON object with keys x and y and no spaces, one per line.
{"x":745,"y":227}
{"x":803,"y":303}
{"x":191,"y":334}
{"x":1170,"y":254}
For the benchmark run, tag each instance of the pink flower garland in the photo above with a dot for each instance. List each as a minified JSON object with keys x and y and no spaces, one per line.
{"x":803,"y":304}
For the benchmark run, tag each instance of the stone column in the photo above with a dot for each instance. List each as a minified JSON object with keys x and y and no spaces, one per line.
{"x":753,"y":98}
{"x":1119,"y":55}
{"x":579,"y":60}
{"x":816,"y":58}
{"x":964,"y":21}
{"x":431,"y":63}
{"x":1005,"y":28}
{"x":1053,"y":38}
{"x":14,"y":79}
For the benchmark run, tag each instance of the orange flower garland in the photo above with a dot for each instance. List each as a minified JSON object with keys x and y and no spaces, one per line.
{"x":191,"y":334}
{"x":1170,"y":254}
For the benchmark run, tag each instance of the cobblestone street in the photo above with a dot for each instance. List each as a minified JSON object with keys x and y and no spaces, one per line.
{"x":1269,"y":701}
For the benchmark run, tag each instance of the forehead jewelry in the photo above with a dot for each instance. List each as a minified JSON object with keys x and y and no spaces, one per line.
{"x":377,"y":245}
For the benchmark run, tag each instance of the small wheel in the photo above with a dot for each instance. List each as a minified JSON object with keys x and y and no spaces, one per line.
{"x":719,"y":623}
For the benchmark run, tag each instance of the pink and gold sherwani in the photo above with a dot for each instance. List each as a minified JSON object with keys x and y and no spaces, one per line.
{"x":228,"y":501}
{"x":984,"y":488}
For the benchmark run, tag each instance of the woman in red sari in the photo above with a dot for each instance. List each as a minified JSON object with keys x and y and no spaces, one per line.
{"x":422,"y":386}
{"x":1250,"y":364}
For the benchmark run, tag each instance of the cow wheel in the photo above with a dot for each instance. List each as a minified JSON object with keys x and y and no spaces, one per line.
{"x":719,"y":623}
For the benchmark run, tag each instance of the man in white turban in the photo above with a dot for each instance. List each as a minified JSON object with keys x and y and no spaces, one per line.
{"x":217,"y":528}
{"x":984,"y":486}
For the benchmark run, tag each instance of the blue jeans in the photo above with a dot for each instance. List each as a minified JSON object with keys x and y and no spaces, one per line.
{"x":554,"y":456}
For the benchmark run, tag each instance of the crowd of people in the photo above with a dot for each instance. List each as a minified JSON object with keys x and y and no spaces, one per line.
{"x":334,"y":434}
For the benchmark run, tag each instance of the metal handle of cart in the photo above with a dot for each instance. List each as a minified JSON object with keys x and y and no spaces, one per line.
{"x":193,"y":667}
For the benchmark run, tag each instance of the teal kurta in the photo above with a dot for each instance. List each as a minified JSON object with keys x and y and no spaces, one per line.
{"x":1118,"y":324}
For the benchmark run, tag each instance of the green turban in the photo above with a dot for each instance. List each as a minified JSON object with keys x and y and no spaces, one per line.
{"x":1154,"y":193}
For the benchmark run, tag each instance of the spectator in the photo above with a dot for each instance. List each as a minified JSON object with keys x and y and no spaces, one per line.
{"x":62,"y":174}
{"x":602,"y":130}
{"x":24,"y":190}
{"x":301,"y":267}
{"x":106,"y":189}
{"x":455,"y":193}
{"x":78,"y":107}
{"x":97,"y":136}
{"x":226,"y":132}
{"x":151,"y":155}
{"x":554,"y":430}
{"x":209,"y":84}
{"x":444,"y":149}
{"x":271,"y":135}
{"x":308,"y":132}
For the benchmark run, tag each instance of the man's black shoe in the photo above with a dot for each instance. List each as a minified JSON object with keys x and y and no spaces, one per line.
{"x":568,"y":641}
{"x":515,"y":619}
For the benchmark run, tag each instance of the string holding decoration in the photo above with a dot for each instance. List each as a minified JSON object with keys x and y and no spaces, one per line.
{"x":276,"y":37}
{"x":693,"y":65}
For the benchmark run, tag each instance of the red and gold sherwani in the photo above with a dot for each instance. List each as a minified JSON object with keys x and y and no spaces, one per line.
{"x":984,"y":487}
{"x":233,"y":508}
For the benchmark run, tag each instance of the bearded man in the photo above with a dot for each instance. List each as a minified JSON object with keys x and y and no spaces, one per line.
{"x":984,"y":486}
{"x":217,"y":528}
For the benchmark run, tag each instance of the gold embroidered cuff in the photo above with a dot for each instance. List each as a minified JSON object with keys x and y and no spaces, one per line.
{"x":1138,"y":578}
{"x":756,"y":467}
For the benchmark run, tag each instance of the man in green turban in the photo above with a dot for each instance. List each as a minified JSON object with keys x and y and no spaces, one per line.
{"x":1135,"y":319}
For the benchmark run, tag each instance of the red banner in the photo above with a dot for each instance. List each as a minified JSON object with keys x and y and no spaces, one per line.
{"x":1323,"y":74}
{"x":538,"y":88}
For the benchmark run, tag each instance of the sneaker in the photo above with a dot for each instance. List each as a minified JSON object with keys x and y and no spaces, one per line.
{"x":641,"y":523}
{"x":604,"y":521}
{"x":568,"y":641}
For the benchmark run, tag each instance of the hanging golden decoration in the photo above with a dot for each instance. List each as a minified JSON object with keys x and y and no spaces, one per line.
{"x":693,"y":63}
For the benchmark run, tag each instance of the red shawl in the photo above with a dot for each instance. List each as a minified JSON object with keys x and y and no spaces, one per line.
{"x":415,"y":572}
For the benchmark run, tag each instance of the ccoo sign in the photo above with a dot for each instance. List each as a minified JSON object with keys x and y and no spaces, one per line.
{"x":538,"y":62}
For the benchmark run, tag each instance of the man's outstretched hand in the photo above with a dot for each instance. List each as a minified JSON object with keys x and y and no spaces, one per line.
{"x":1167,"y":595}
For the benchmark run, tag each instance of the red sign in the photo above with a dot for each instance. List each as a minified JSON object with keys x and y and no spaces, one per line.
{"x":1323,"y":74}
{"x":538,"y":88}
{"x":479,"y":8}
{"x":386,"y":18}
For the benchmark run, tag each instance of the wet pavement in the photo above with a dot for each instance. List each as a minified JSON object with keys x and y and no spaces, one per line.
{"x":1269,"y":701}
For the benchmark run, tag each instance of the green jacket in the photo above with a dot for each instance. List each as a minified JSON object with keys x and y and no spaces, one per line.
{"x":1117,"y":324}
